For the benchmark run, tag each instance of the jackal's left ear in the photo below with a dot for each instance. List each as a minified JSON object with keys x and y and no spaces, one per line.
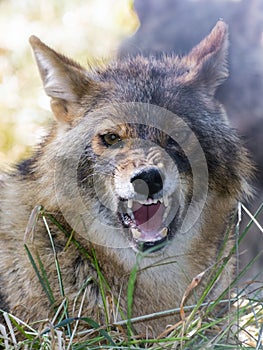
{"x":65,"y":81}
{"x":207,"y":61}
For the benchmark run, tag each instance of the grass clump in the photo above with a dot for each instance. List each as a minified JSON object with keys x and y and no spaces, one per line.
{"x":229,"y":322}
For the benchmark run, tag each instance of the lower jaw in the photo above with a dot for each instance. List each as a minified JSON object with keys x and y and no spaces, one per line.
{"x":149,"y":247}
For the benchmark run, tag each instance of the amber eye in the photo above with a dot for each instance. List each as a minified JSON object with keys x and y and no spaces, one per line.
{"x":110,"y":139}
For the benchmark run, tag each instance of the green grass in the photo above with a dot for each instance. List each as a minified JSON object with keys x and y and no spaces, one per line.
{"x":225,"y":323}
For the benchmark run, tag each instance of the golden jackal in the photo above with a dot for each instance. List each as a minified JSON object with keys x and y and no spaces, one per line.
{"x":140,"y":161}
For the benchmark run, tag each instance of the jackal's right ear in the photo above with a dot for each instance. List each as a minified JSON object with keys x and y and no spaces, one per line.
{"x":207,"y":61}
{"x":65,"y":81}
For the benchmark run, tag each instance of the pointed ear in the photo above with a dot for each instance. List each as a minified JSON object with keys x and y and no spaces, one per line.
{"x":207,"y":61}
{"x":64,"y":81}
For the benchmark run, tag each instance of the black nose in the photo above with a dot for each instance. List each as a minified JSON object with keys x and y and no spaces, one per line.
{"x":147,"y":182}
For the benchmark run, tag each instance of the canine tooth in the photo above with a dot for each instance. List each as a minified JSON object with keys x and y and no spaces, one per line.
{"x":161,"y":200}
{"x":130,"y":203}
{"x":130,"y":213}
{"x":135,"y":233}
{"x":164,"y":232}
{"x":165,"y":201}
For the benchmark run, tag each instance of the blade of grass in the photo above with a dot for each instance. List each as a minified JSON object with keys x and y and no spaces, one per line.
{"x":4,"y":336}
{"x":169,"y":312}
{"x":131,"y":287}
{"x":259,"y":340}
{"x":89,"y":280}
{"x":44,"y":283}
{"x":77,"y":322}
{"x":102,"y":285}
{"x":90,"y":322}
{"x":19,"y":328}
{"x":130,"y":294}
{"x":55,"y":257}
{"x":58,"y":315}
{"x":252,"y":217}
{"x":45,"y":279}
{"x":59,"y":275}
{"x":250,"y":223}
{"x":10,"y":328}
{"x":70,"y":236}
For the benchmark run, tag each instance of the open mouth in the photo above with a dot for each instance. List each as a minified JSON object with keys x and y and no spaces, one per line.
{"x":146,"y":222}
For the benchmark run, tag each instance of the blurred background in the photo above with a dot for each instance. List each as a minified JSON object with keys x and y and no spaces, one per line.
{"x":81,"y":29}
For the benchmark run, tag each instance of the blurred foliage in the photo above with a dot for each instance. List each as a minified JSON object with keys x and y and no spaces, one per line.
{"x":82,"y":29}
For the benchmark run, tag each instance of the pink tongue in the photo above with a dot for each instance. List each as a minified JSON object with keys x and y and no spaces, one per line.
{"x":148,"y":217}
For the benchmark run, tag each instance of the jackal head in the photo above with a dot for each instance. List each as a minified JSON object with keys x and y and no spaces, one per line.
{"x":142,"y":172}
{"x":149,"y":138}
